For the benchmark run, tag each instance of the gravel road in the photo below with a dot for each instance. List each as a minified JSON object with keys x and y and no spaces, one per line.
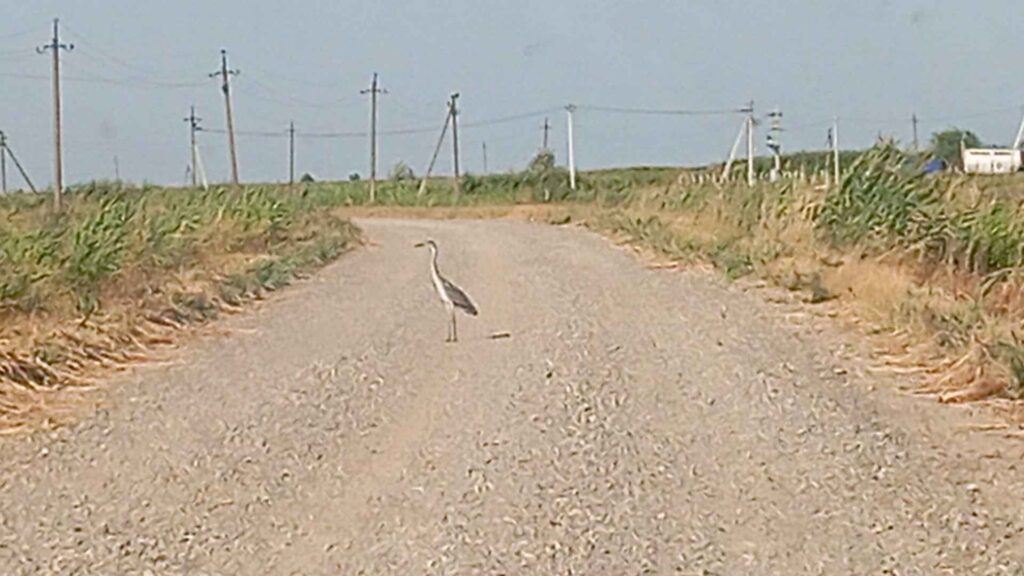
{"x":636,"y":421}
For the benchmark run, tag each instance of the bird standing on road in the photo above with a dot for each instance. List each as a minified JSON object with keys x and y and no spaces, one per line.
{"x":451,"y":295}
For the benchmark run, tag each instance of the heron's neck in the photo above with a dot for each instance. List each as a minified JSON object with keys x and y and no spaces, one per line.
{"x":433,"y":262}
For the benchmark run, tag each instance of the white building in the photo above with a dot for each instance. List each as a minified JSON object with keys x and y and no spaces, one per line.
{"x":991,"y":160}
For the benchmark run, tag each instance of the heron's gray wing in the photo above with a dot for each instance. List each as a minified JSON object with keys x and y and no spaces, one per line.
{"x":459,"y":298}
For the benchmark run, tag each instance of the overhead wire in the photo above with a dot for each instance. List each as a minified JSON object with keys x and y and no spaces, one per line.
{"x":660,"y":111}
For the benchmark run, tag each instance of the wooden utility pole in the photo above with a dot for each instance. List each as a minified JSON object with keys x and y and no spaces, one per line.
{"x":453,"y":106}
{"x":193,"y":127}
{"x":547,"y":128}
{"x":58,"y":169}
{"x":572,"y":155}
{"x":913,"y":120}
{"x":437,"y":150}
{"x":291,"y":153}
{"x":225,"y":75}
{"x":373,"y":91}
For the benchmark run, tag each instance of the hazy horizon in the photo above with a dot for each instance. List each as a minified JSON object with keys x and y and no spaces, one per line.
{"x":136,"y":68}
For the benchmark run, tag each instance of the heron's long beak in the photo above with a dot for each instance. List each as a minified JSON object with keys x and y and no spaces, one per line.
{"x":419,"y":245}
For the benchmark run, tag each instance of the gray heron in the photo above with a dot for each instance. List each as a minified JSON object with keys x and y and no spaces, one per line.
{"x":451,"y":295}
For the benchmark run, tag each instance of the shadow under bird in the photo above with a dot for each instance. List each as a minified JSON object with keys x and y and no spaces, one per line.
{"x":451,"y":295}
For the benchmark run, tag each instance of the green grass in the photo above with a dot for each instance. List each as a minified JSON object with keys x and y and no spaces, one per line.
{"x":124,"y":268}
{"x":120,"y":253}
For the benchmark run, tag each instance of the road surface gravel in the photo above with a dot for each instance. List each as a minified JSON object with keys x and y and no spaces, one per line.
{"x":635,"y":421}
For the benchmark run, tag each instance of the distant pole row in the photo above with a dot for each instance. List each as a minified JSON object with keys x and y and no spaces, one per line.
{"x":224,"y":73}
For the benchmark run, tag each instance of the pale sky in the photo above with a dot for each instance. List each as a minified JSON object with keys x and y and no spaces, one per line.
{"x":138,"y":65}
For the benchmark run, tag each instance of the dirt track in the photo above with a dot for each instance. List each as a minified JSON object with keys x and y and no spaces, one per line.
{"x":636,"y":421}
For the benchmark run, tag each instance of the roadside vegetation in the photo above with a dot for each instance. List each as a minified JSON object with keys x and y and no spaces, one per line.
{"x":123,"y":269}
{"x":931,"y":264}
{"x":934,"y":263}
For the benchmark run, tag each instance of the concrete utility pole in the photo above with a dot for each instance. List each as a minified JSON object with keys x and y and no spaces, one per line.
{"x":117,"y":170}
{"x":547,"y":128}
{"x":373,"y":91}
{"x":454,"y":112}
{"x":913,"y":120}
{"x":226,"y":75}
{"x":773,"y":143}
{"x":835,"y":149}
{"x":750,"y":143}
{"x":437,"y":150}
{"x":193,"y":127}
{"x":727,"y":171}
{"x":485,"y":157}
{"x":572,"y":155}
{"x":58,"y":169}
{"x":5,"y":150}
{"x":1020,"y":133}
{"x":291,"y":153}
{"x":3,"y":163}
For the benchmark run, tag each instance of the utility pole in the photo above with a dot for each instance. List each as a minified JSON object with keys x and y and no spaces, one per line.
{"x":485,"y":157}
{"x":3,"y":163}
{"x":1020,"y":133}
{"x":291,"y":153}
{"x":225,"y":75}
{"x":5,"y":150}
{"x":913,"y":120}
{"x":193,"y":127}
{"x":547,"y":128}
{"x":373,"y":91}
{"x":727,"y":171}
{"x":835,"y":149}
{"x":572,"y":156}
{"x":117,"y":170}
{"x":437,"y":150}
{"x":773,"y":142}
{"x":454,"y":111}
{"x":58,"y":169}
{"x":750,"y":142}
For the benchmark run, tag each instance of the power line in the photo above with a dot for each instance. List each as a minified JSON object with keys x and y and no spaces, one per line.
{"x":512,"y":118}
{"x":93,"y":51}
{"x":90,"y":78}
{"x":663,"y":112}
{"x":131,"y":81}
{"x":20,"y":34}
{"x":282,"y":98}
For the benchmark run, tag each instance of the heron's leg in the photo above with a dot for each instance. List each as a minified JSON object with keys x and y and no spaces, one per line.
{"x":455,"y":329}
